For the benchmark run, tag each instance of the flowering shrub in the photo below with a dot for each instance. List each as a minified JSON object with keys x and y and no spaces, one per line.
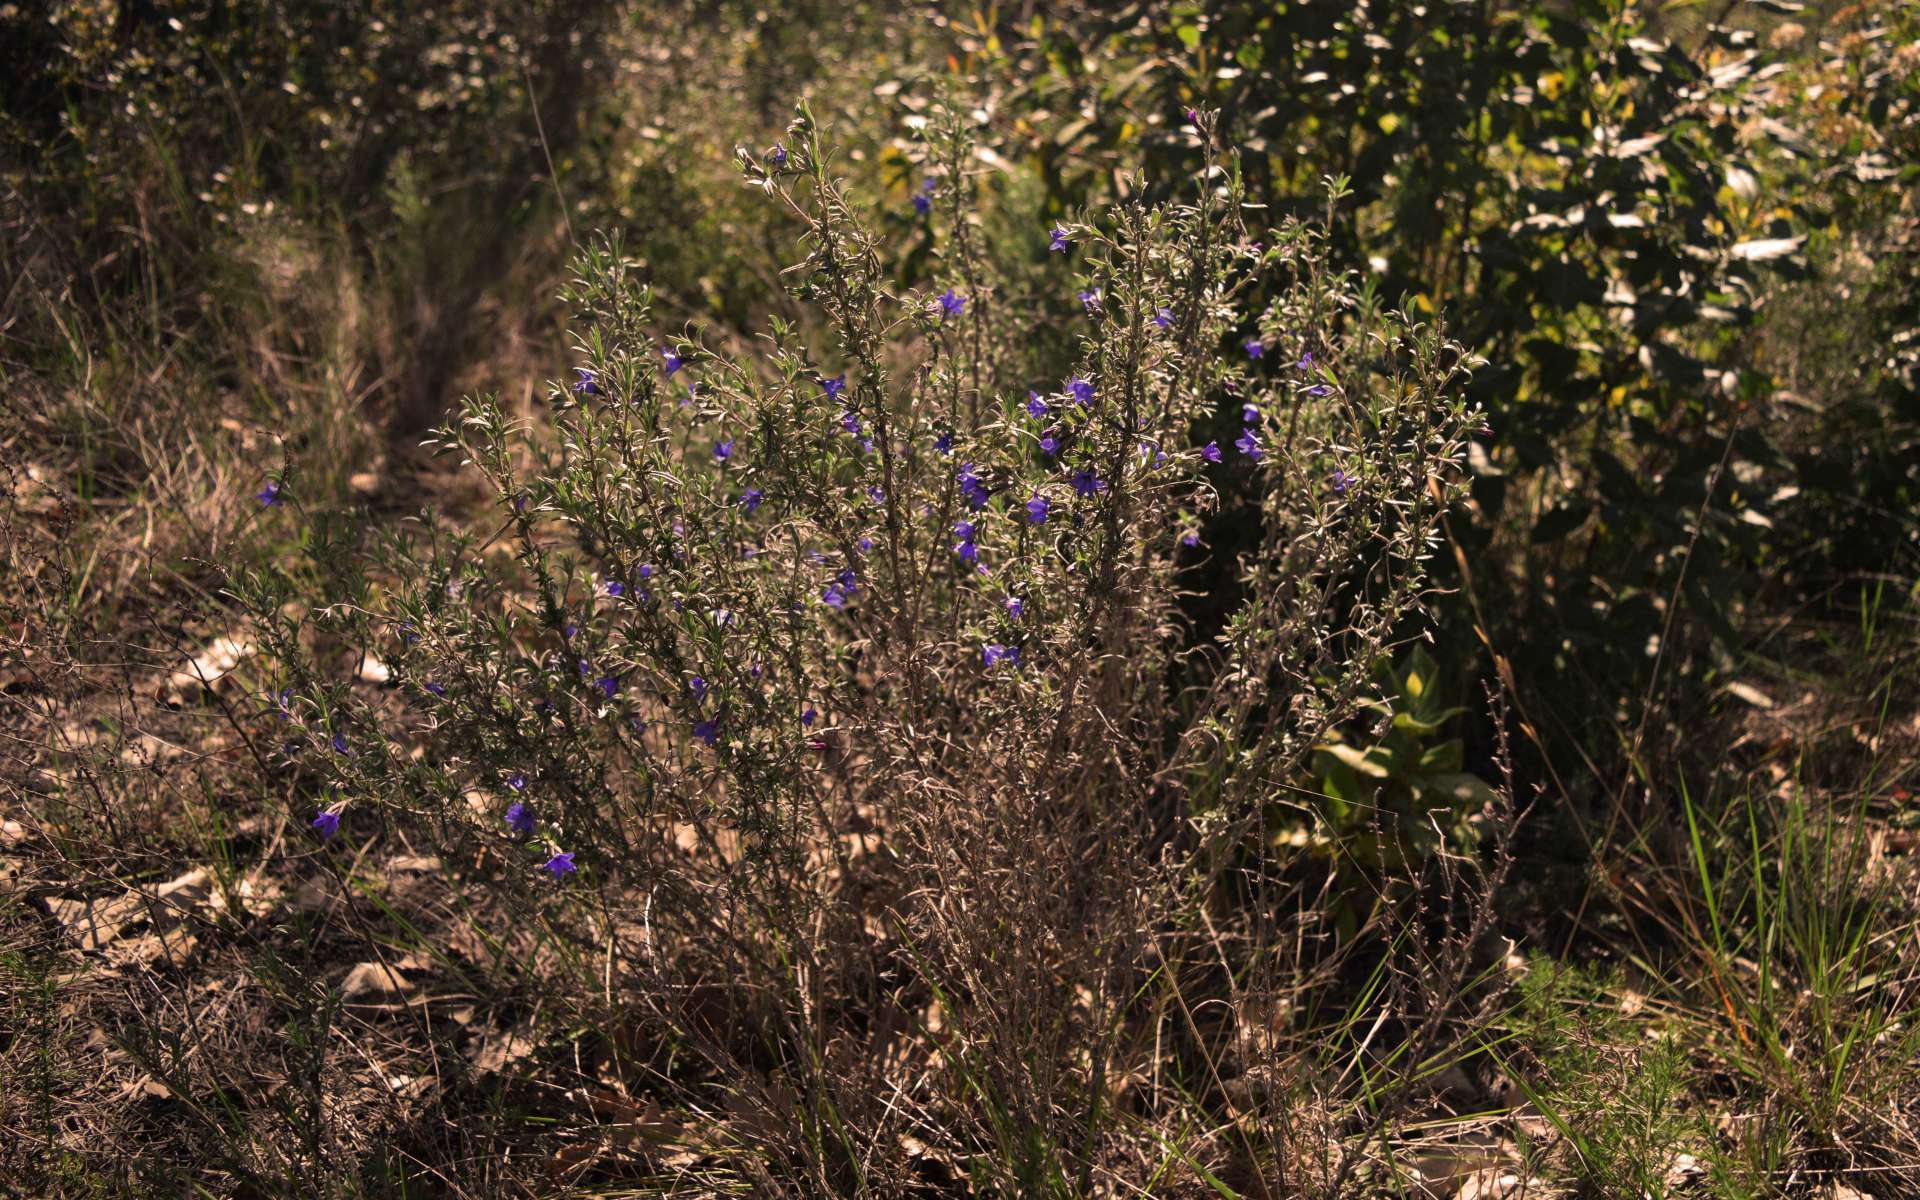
{"x":849,"y":669}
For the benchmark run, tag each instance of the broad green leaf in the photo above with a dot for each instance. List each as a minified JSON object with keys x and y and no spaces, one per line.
{"x":1407,"y":722}
{"x":1447,"y":756}
{"x":1375,"y":762}
{"x":1465,"y":790}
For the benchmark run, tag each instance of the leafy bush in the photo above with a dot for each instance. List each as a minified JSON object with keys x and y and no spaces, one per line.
{"x":1610,"y":197}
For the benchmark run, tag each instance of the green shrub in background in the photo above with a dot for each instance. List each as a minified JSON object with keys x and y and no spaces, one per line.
{"x":152,"y":150}
{"x":138,"y":125}
{"x":1618,"y":202}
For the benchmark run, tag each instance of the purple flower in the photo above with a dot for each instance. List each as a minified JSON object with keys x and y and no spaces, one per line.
{"x":1050,"y":443}
{"x":517,"y":782}
{"x":1036,"y":407}
{"x":585,"y":384}
{"x":833,"y":387}
{"x":994,"y":653}
{"x":1249,"y":444}
{"x":1086,"y":483}
{"x":1249,"y":413}
{"x":1037,"y":509}
{"x":751,"y":499}
{"x":833,"y":596}
{"x":1163,"y":317}
{"x":866,"y":545}
{"x":326,"y":824}
{"x":708,"y":730}
{"x":876,"y":494}
{"x":1340,"y":481}
{"x":698,"y":687}
{"x":437,"y":689}
{"x":850,"y":421}
{"x":283,"y":700}
{"x":808,"y":717}
{"x":944,"y":443}
{"x":723,"y":450}
{"x":1255,"y":348}
{"x":1193,"y":117}
{"x":923,"y":199}
{"x":609,"y":685}
{"x":1082,"y":390}
{"x":646,"y":570}
{"x":339,"y":743}
{"x":972,"y":486}
{"x":269,"y":495}
{"x":1306,"y":361}
{"x":1059,"y":236}
{"x":1211,"y":452}
{"x":1318,"y":389}
{"x":1189,"y":538}
{"x":672,"y":359}
{"x":1090,"y":299}
{"x":519,"y":817}
{"x":560,"y":864}
{"x":1016,"y":607}
{"x":777,"y":155}
{"x":614,"y":587}
{"x":952,"y":304}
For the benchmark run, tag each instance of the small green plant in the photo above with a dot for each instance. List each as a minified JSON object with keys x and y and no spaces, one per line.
{"x":1403,"y":794}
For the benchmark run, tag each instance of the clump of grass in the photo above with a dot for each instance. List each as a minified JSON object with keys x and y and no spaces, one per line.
{"x":1616,"y":1102}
